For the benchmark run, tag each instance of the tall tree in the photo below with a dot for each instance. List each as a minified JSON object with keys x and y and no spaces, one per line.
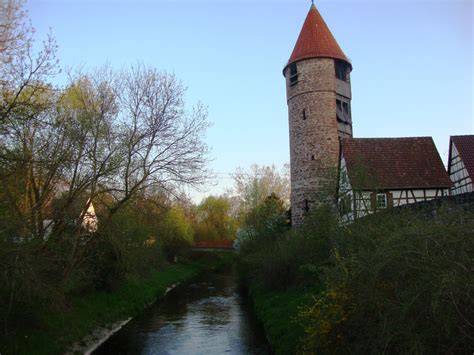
{"x":253,"y":186}
{"x":214,"y":219}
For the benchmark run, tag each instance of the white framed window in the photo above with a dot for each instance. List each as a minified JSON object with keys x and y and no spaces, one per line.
{"x":382,"y":201}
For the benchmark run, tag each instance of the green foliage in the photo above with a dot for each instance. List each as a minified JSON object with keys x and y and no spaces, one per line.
{"x":277,"y":310}
{"x":397,"y":283}
{"x":275,"y":258}
{"x":393,"y":282}
{"x":130,"y":244}
{"x":176,"y":233}
{"x":116,"y":139}
{"x":60,"y":328}
{"x":263,"y":224}
{"x":214,"y":220}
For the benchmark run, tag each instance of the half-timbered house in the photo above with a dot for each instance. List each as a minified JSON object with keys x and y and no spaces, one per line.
{"x":461,"y":163}
{"x":378,"y":173}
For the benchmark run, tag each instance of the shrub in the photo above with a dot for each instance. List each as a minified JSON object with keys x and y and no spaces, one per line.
{"x":398,"y":283}
{"x":276,"y":258}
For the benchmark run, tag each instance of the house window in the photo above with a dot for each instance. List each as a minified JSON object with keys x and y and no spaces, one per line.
{"x":382,"y":201}
{"x":293,"y":74}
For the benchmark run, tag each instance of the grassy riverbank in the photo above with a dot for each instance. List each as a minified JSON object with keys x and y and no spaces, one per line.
{"x":55,"y":328}
{"x":278,"y":310}
{"x":331,"y":288}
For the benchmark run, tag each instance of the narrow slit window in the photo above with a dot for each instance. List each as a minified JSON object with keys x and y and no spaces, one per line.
{"x":304,"y":114}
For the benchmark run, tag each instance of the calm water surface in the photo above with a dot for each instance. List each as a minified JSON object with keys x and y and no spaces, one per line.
{"x":207,"y":316}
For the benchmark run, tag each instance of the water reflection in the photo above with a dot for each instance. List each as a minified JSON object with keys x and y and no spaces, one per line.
{"x":208,"y":316}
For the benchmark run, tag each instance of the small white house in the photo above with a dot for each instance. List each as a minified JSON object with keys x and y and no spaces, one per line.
{"x":461,"y":163}
{"x":90,"y":222}
{"x":378,"y":173}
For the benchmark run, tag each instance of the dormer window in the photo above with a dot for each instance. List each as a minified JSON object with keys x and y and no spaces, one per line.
{"x":293,"y":74}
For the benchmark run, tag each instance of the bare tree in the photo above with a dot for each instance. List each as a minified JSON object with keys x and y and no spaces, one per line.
{"x":129,"y":132}
{"x":22,"y":71}
{"x":108,"y":137}
{"x":252,"y":187}
{"x":162,"y":143}
{"x":13,"y":30}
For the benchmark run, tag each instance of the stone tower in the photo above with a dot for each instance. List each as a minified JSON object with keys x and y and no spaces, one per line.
{"x":319,"y":112}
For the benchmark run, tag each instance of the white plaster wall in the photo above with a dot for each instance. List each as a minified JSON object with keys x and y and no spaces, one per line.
{"x":345,"y":190}
{"x":460,"y":176}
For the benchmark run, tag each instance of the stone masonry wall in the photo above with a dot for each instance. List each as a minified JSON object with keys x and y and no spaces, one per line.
{"x":314,"y":143}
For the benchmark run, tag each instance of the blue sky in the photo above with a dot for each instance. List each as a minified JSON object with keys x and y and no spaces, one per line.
{"x":412,"y":75}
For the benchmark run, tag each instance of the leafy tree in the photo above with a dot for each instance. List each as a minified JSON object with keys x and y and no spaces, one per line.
{"x":176,"y":232}
{"x":110,"y":138}
{"x":264,"y":223}
{"x":214,"y":219}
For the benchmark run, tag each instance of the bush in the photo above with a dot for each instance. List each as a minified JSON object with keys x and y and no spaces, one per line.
{"x":397,"y":283}
{"x":277,"y":258}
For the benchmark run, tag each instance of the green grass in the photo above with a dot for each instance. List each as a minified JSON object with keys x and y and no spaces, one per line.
{"x":59,"y":329}
{"x":277,"y":310}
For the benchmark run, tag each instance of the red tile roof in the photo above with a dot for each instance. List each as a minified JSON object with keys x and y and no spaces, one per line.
{"x":391,"y":163}
{"x":465,"y":147}
{"x":316,"y":40}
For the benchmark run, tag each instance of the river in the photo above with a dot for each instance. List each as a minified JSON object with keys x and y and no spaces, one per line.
{"x":206,"y":316}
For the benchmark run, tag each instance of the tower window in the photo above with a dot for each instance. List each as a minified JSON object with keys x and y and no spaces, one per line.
{"x":312,"y":157}
{"x":342,"y":70}
{"x":345,"y":106}
{"x":293,"y":74}
{"x":343,"y":112}
{"x":304,"y":114}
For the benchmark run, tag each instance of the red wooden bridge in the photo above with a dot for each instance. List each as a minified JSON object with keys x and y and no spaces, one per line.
{"x":213,"y":245}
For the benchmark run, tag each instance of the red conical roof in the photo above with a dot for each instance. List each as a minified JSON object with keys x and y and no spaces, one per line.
{"x":316,"y":40}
